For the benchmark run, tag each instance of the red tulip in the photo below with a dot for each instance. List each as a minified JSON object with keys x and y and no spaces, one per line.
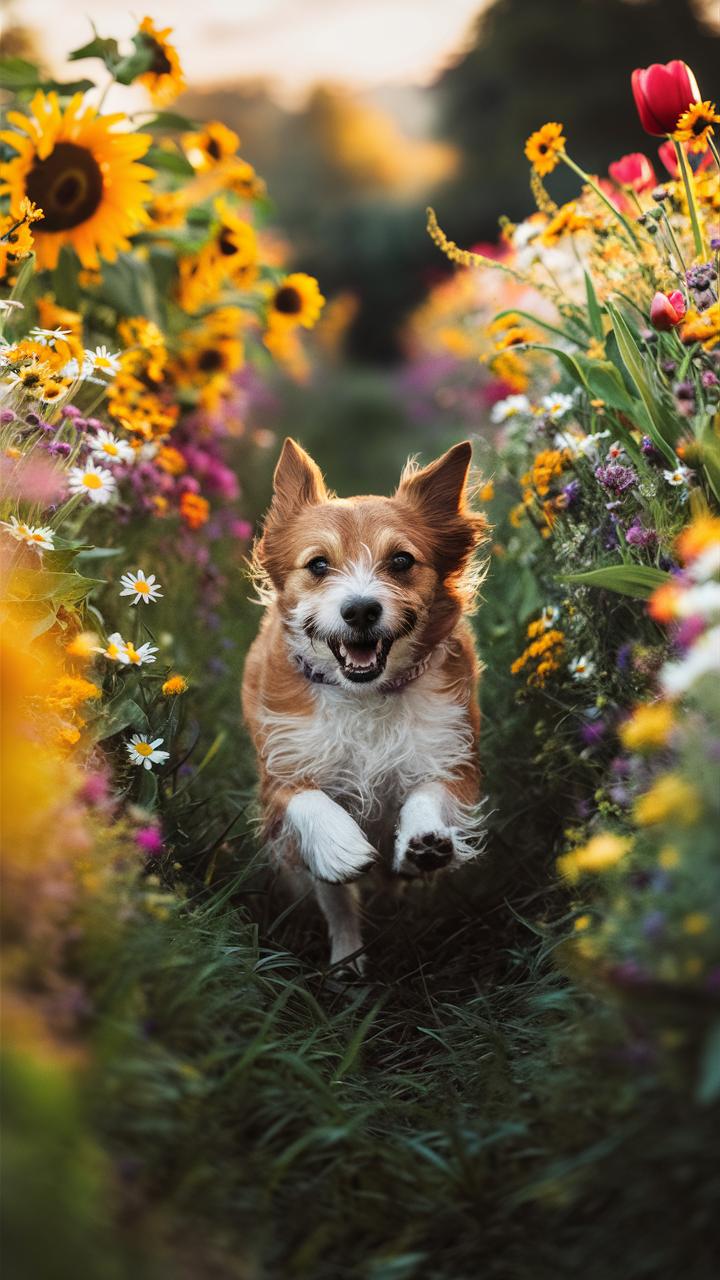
{"x":662,"y":92}
{"x":667,"y":154}
{"x":667,"y":310}
{"x":634,"y":171}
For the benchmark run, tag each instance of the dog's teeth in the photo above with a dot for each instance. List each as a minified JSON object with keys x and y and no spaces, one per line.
{"x":378,"y":646}
{"x":343,"y":651}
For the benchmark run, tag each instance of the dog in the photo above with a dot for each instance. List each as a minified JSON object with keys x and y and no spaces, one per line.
{"x":360,"y":690}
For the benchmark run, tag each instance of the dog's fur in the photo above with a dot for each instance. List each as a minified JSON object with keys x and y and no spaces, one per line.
{"x":366,"y":729}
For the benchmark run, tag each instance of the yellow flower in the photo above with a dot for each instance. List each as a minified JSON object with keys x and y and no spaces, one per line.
{"x":84,"y":645}
{"x":486,"y":493}
{"x":297,"y":300}
{"x":16,"y":242}
{"x":701,"y":326}
{"x":69,"y":691}
{"x":545,"y":147}
{"x":214,"y":142}
{"x":695,"y":922}
{"x":582,"y":923}
{"x":51,"y":316}
{"x":566,"y":220}
{"x":648,"y":728}
{"x":669,"y":798}
{"x":164,"y":79}
{"x":174,"y":685}
{"x":668,"y":857}
{"x":600,"y":853}
{"x":82,"y":172}
{"x":695,"y":125}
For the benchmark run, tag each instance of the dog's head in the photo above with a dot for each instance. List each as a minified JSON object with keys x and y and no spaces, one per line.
{"x":369,"y":585}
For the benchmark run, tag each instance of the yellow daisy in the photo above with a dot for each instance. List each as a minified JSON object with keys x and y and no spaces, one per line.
{"x":164,"y":79}
{"x":82,"y":172}
{"x":297,"y":300}
{"x":545,"y":147}
{"x":695,"y":125}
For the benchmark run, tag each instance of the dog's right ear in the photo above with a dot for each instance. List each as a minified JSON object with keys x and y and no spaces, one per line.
{"x":297,"y":482}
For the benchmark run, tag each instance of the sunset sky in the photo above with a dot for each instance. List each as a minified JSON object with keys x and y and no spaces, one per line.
{"x":361,"y":43}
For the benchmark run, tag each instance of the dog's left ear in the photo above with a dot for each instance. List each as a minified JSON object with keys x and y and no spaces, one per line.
{"x":442,"y":485}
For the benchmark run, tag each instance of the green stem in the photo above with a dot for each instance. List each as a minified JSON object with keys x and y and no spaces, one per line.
{"x":690,"y":193}
{"x":673,"y":238}
{"x":627,"y":226}
{"x":714,"y":150}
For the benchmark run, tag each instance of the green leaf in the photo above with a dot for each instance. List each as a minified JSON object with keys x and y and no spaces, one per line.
{"x":137,"y":63}
{"x":709,"y":1079}
{"x":168,"y":120}
{"x":120,"y":713}
{"x":662,"y":425}
{"x":107,"y":51}
{"x":605,"y":383}
{"x":170,"y":161}
{"x":637,"y":580}
{"x":594,"y":310}
{"x":569,"y":363}
{"x":17,"y":74}
{"x":43,"y":584}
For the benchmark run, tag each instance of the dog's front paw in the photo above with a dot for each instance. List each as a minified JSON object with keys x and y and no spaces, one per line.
{"x":431,"y":850}
{"x":331,"y":843}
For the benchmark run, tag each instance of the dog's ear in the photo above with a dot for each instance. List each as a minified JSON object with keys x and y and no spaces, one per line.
{"x":297,"y":481}
{"x":442,"y":485}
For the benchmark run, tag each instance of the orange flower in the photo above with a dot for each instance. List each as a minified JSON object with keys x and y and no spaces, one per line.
{"x":194,"y":510}
{"x":662,"y":605}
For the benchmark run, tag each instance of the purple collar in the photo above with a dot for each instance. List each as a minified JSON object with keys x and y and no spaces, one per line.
{"x":315,"y":676}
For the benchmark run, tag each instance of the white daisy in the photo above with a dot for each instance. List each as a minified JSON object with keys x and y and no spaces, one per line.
{"x":581,"y":668}
{"x":132,"y":657}
{"x":142,"y":588}
{"x":704,"y":657}
{"x":508,"y":407}
{"x":103,"y":361}
{"x":40,"y":536}
{"x":97,"y":483}
{"x":45,"y":336}
{"x":145,"y":753}
{"x":111,"y":448}
{"x":556,"y":406}
{"x":115,"y":647}
{"x":10,"y":304}
{"x":679,"y":476}
{"x":588,"y":445}
{"x":549,"y":616}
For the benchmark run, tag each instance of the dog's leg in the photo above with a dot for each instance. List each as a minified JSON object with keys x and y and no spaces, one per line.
{"x":340,"y":906}
{"x":435,"y":829}
{"x":331,"y":843}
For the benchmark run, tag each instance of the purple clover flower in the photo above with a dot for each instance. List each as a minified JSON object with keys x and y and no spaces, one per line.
{"x":616,"y":478}
{"x":638,"y":536}
{"x":650,"y":451}
{"x":700,"y":283}
{"x":571,"y":493}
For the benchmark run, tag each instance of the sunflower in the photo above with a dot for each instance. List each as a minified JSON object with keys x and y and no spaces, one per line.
{"x":545,"y":147}
{"x":82,"y":173}
{"x":164,"y":78}
{"x":211,"y":145}
{"x":234,"y":245}
{"x":297,"y":300}
{"x":695,"y":125}
{"x":566,"y":221}
{"x":16,"y":242}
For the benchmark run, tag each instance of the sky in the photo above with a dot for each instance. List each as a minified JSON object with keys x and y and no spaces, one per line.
{"x":295,"y":43}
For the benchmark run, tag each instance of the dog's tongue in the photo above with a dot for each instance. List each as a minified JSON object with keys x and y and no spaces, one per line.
{"x":361,"y":655}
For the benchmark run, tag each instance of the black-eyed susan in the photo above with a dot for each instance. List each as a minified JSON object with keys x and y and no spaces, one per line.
{"x":82,"y":172}
{"x":545,"y":147}
{"x":164,"y":79}
{"x":696,"y":125}
{"x":213,"y":143}
{"x":296,"y":300}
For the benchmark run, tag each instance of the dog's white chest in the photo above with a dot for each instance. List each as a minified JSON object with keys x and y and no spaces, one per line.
{"x":370,"y":749}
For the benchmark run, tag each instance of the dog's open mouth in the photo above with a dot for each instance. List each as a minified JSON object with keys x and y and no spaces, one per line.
{"x":361,"y":660}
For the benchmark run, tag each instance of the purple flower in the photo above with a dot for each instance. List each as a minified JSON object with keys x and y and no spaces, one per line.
{"x":69,"y":411}
{"x":624,"y":654}
{"x":149,"y":840}
{"x":709,"y":379}
{"x":649,"y":451}
{"x":592,"y":732}
{"x":615,"y":477}
{"x":638,"y":536}
{"x":59,"y":449}
{"x":700,"y":283}
{"x":688,"y":631}
{"x":668,"y":367}
{"x":7,"y":415}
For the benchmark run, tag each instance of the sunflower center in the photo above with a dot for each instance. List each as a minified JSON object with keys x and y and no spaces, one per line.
{"x":700,"y":125}
{"x":67,"y":186}
{"x":213,"y":149}
{"x":210,"y":361}
{"x":160,"y":65}
{"x":288,"y":300}
{"x":143,"y":748}
{"x":226,"y":243}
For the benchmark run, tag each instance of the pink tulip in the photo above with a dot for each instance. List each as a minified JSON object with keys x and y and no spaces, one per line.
{"x":634,"y":171}
{"x":667,"y":310}
{"x":662,"y":93}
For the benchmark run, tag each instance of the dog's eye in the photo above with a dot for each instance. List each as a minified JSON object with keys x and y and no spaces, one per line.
{"x":318,"y":566}
{"x":401,"y":562}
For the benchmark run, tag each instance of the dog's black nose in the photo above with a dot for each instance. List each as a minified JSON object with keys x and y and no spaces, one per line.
{"x":361,"y":613}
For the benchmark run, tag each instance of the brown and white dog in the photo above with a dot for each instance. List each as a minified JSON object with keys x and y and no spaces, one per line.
{"x":360,"y":689}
